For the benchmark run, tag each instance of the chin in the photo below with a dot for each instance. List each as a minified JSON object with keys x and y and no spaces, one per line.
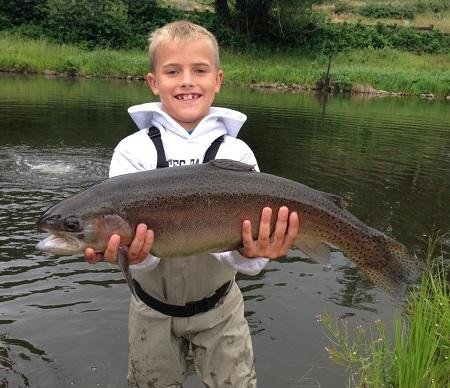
{"x":194,"y":120}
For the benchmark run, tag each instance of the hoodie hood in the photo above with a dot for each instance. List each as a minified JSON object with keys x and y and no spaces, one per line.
{"x":220,"y":121}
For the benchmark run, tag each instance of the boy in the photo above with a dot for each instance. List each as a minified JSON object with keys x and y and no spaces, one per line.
{"x":190,"y":300}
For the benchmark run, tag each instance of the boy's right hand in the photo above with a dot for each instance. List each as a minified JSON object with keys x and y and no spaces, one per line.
{"x":138,"y":250}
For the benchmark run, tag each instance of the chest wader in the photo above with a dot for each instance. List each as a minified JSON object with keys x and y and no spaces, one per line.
{"x":195,"y":307}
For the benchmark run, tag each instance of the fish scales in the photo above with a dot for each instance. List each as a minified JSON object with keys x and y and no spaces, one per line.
{"x":201,"y":208}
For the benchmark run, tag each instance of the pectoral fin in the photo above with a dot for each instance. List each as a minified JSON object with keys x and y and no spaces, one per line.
{"x":315,"y":249}
{"x":122,"y":260}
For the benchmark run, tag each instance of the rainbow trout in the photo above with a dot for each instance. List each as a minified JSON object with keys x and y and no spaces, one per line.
{"x":200,"y":208}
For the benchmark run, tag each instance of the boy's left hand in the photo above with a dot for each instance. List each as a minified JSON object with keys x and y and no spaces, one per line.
{"x":275,"y":246}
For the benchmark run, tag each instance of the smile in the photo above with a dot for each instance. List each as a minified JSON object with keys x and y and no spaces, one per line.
{"x":187,"y":97}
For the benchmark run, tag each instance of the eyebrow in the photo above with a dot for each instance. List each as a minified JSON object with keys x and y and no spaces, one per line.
{"x":193,"y":64}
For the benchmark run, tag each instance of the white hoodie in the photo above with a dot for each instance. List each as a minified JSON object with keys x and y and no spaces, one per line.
{"x":138,"y":153}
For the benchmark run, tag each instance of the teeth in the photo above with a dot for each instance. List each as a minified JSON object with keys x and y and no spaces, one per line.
{"x":187,"y":97}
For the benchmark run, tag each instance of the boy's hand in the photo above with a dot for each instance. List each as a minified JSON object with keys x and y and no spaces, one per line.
{"x":275,"y":246}
{"x":138,"y":250}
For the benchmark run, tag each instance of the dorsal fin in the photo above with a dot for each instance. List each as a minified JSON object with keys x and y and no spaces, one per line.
{"x":229,"y":164}
{"x":338,"y":200}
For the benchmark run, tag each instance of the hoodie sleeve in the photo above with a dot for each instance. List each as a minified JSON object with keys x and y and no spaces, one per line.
{"x":121,"y":163}
{"x":133,"y":154}
{"x":240,"y":263}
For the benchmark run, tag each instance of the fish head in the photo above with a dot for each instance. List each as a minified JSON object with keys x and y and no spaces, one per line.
{"x":72,"y":232}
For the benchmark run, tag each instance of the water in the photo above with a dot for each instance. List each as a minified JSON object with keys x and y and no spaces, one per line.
{"x":64,"y":322}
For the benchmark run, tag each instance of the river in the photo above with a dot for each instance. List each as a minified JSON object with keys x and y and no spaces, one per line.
{"x":64,"y":322}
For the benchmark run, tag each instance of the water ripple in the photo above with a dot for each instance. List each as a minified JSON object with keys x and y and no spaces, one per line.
{"x":389,"y":158}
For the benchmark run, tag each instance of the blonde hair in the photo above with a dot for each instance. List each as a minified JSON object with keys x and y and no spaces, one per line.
{"x":181,"y":31}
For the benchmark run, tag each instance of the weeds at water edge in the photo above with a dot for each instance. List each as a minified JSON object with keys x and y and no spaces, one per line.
{"x":419,"y":354}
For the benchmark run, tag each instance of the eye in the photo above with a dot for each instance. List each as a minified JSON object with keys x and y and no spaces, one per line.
{"x":171,"y":72}
{"x":201,"y":70}
{"x":71,"y":224}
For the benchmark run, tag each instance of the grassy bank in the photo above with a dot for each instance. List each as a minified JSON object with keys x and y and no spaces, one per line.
{"x":365,"y":70}
{"x":418,"y":355}
{"x":422,"y":13}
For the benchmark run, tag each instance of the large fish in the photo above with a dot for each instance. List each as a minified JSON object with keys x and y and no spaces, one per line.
{"x":200,"y":208}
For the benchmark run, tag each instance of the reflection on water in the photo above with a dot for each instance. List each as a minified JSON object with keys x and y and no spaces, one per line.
{"x":63,"y":322}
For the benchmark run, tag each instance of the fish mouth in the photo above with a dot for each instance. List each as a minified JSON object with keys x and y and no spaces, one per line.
{"x":60,"y":244}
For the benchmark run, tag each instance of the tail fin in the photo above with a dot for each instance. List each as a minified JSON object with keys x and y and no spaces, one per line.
{"x":392,"y":266}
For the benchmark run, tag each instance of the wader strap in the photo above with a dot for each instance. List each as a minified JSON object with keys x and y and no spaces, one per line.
{"x":155,"y":137}
{"x":189,"y":309}
{"x":211,"y":152}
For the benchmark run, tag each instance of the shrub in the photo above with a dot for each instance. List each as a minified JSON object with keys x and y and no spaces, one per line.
{"x":144,"y":16}
{"x":412,"y":40}
{"x":438,"y":5}
{"x":343,"y":7}
{"x":20,"y":12}
{"x":337,"y":37}
{"x":388,"y":10}
{"x":127,"y":24}
{"x":67,"y":66}
{"x":99,"y":23}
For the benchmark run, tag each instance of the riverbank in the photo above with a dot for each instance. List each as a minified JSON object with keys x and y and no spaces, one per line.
{"x":381,"y":72}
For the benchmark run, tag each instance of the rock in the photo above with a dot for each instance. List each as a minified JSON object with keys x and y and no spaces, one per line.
{"x":50,"y":72}
{"x":363,"y":88}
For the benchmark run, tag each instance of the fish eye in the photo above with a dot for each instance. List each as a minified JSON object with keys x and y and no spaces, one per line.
{"x":71,"y":224}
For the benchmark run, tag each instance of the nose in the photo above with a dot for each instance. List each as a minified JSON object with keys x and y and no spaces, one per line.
{"x":186,"y":80}
{"x":46,"y":221}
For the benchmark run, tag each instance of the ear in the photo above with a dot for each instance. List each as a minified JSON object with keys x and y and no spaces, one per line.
{"x":153,"y":83}
{"x":219,"y":80}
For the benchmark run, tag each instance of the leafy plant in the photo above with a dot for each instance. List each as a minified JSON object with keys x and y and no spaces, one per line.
{"x":387,"y":10}
{"x":67,"y":67}
{"x":343,"y":7}
{"x":419,"y":354}
{"x":99,"y":23}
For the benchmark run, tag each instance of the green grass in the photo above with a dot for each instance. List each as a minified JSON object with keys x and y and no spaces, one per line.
{"x":36,"y":56}
{"x":419,"y":354}
{"x":387,"y":69}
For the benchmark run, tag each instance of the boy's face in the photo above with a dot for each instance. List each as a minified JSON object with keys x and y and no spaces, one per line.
{"x":186,"y":79}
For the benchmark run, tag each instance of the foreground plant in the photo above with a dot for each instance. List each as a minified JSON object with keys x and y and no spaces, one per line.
{"x":419,"y":354}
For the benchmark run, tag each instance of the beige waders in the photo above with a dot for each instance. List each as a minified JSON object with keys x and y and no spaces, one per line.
{"x":220,"y":337}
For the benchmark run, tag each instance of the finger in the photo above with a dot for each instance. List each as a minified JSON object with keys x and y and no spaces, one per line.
{"x":90,"y":256}
{"x":292,"y":231}
{"x":146,"y":248}
{"x":112,"y":248}
{"x":280,"y":227}
{"x":137,"y":244}
{"x":148,"y":243}
{"x":247,"y":238}
{"x":264,"y":229}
